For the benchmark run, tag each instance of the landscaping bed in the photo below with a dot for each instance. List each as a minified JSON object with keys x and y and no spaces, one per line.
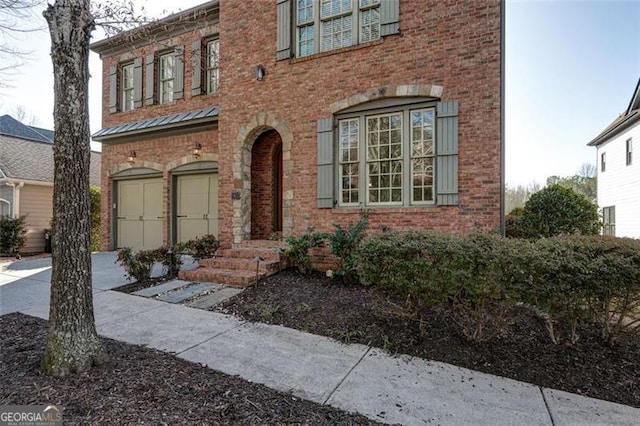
{"x":318,"y":305}
{"x":144,"y":386}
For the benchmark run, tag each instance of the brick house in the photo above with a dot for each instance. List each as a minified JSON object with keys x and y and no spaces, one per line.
{"x":245,"y":119}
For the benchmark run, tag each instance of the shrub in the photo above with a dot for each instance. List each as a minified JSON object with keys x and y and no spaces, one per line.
{"x":298,"y":250}
{"x":409,"y":270}
{"x":199,"y":248}
{"x":344,"y":243}
{"x":138,"y":265}
{"x":12,"y":234}
{"x":557,"y":288}
{"x":94,"y":193}
{"x":484,"y":296}
{"x":613,"y":287}
{"x":557,"y":210}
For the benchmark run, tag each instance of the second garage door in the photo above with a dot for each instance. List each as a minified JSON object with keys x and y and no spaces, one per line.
{"x":139,"y":214}
{"x":197,"y":206}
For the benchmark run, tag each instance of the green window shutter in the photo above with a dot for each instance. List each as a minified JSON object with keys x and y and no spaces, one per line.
{"x":389,"y":17}
{"x":196,"y":68}
{"x":283,"y":47}
{"x":113,"y":88}
{"x":137,"y":83}
{"x":325,"y":163}
{"x":178,"y":76}
{"x":150,"y":79}
{"x":447,"y":153}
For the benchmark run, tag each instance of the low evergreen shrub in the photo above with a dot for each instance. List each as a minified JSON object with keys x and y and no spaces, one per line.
{"x":12,"y":234}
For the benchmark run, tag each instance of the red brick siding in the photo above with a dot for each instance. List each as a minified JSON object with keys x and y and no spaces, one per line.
{"x":454,"y":44}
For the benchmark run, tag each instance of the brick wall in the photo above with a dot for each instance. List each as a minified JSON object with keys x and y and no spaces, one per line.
{"x":453,"y":44}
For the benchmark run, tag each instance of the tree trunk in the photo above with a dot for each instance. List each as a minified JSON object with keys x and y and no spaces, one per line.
{"x":72,"y":342}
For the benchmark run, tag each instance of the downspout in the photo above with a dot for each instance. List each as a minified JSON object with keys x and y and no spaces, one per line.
{"x":15,"y":202}
{"x":502,"y":112}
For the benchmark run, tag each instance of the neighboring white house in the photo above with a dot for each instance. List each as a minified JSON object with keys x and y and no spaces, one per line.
{"x":619,"y":172}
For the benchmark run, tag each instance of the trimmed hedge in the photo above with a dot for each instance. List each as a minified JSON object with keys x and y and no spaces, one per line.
{"x":485,"y":279}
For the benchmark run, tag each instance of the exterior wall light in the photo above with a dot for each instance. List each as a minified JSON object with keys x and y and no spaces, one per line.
{"x":260,"y":72}
{"x":131,"y":159}
{"x":197,"y":150}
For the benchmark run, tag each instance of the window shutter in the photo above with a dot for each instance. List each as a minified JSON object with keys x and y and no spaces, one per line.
{"x":196,"y":68}
{"x":447,"y":153}
{"x":137,"y":83}
{"x":325,"y":163}
{"x":113,"y":88}
{"x":178,"y":76}
{"x":389,"y":17}
{"x":150,"y":79}
{"x":283,"y":48}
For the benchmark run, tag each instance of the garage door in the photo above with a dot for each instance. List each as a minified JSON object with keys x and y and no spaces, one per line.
{"x":197,"y":206}
{"x":140,"y":214}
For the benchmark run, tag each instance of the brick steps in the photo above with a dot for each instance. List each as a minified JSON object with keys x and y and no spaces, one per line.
{"x":236,"y":267}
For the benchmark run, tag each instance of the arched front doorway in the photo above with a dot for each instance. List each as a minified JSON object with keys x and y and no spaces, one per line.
{"x":266,"y":185}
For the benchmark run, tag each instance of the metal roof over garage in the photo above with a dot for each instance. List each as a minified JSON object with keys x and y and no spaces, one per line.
{"x":148,"y":125}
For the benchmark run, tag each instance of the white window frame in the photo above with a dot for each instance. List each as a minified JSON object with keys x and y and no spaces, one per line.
{"x":212,"y":74}
{"x":629,"y":151}
{"x":317,"y":21}
{"x":407,"y":184}
{"x":166,"y":62}
{"x":126,"y":90}
{"x":603,"y":162}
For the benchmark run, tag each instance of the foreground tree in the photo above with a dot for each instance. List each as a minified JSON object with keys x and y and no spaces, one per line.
{"x":72,"y":341}
{"x":585,"y":182}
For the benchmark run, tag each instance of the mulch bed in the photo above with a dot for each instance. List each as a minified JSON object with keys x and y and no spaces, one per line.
{"x":317,"y":305}
{"x":144,"y":386}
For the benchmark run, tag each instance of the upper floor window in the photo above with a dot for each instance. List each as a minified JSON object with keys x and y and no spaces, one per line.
{"x":629,"y":151}
{"x":166,"y":77}
{"x":213,"y":66}
{"x":306,"y":27}
{"x":324,"y":25}
{"x":603,"y":162}
{"x":126,"y":78}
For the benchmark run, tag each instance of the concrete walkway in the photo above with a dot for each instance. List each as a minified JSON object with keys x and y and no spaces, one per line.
{"x":355,"y":378}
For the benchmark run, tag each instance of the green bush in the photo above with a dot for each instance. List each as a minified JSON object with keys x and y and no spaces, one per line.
{"x":344,"y":243}
{"x":485,"y":280}
{"x":203,"y":247}
{"x":12,"y":234}
{"x":298,"y":250}
{"x":137,"y":265}
{"x":557,"y":210}
{"x":409,"y":271}
{"x":94,"y":193}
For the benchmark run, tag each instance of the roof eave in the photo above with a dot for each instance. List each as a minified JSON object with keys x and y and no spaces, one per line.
{"x":629,"y":121}
{"x":161,"y":27}
{"x":110,"y":138}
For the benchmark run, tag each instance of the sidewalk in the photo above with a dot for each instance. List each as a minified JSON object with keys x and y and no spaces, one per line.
{"x":355,"y":378}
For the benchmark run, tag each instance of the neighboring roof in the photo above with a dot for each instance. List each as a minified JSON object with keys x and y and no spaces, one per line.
{"x":630,"y":117}
{"x":175,"y":23}
{"x":26,"y":153}
{"x":197,"y":116}
{"x":9,"y":126}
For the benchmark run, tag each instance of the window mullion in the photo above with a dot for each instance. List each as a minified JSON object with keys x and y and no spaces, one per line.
{"x":407,"y":181}
{"x":364,"y":169}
